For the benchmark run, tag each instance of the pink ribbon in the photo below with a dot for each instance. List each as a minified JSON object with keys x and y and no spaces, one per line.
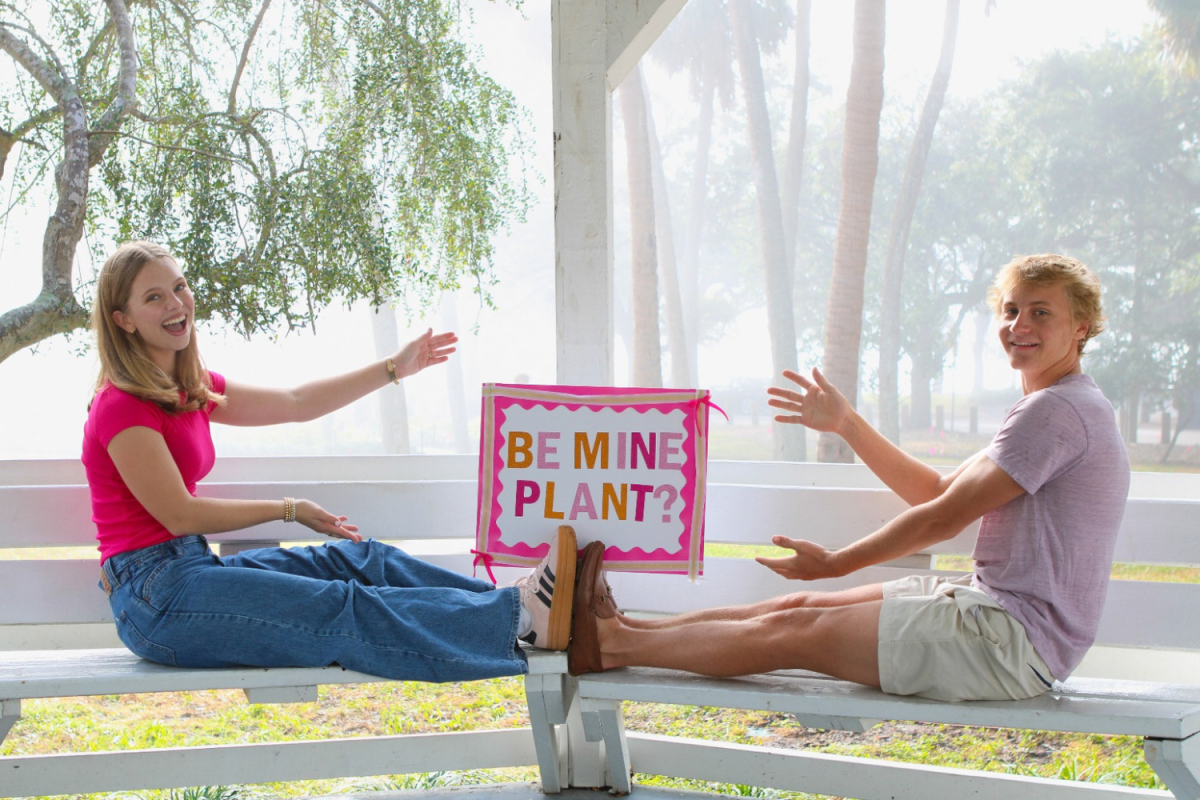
{"x":707,"y":400}
{"x":486,"y":560}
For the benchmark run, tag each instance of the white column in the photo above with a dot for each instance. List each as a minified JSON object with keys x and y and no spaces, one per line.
{"x":596,"y":43}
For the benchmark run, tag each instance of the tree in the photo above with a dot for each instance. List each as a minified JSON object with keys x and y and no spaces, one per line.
{"x":355,"y":150}
{"x":678,"y":343}
{"x":647,"y":353}
{"x":902,"y":216}
{"x":860,"y":159}
{"x":789,"y":440}
{"x":1135,"y":220}
{"x":793,"y":171}
{"x":699,"y":41}
{"x":1180,"y":28}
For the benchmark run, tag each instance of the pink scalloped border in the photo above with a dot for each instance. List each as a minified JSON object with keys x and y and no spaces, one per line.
{"x":689,"y":558}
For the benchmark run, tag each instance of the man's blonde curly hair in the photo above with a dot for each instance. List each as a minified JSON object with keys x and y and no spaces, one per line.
{"x":1050,"y":269}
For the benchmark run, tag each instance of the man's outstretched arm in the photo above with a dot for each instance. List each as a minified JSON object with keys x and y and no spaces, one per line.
{"x":981,"y":486}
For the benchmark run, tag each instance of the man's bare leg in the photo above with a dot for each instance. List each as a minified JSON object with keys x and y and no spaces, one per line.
{"x":845,"y":597}
{"x":842,"y":641}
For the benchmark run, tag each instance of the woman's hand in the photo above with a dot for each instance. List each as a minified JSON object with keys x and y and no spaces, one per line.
{"x":809,"y":562}
{"x":821,"y":407}
{"x":311,"y":515}
{"x":424,"y":351}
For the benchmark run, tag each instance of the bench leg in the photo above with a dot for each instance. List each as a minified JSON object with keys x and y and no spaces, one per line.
{"x":282,"y":694}
{"x":1177,"y":762}
{"x":603,"y":721}
{"x":10,"y":712}
{"x":548,"y":698}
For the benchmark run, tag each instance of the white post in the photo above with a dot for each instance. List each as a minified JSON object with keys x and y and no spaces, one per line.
{"x":595,"y":45}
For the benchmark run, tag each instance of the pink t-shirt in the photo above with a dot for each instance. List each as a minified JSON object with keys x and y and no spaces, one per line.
{"x":1046,"y":556}
{"x":121,"y":522}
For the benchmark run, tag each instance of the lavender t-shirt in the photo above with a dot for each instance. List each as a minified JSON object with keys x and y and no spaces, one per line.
{"x":1045,"y":557}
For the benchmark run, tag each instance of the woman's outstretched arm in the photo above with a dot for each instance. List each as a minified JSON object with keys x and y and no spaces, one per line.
{"x":256,"y":405}
{"x":148,"y":469}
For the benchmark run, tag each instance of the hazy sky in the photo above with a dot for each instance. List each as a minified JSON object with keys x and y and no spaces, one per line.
{"x":43,"y":395}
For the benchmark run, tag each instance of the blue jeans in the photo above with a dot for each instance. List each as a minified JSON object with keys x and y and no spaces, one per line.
{"x":367,"y":606}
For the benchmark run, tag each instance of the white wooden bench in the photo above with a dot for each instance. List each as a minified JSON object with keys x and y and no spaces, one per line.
{"x":57,"y":640}
{"x":1142,"y":679}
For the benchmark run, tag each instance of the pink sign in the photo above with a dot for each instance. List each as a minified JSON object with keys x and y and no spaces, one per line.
{"x":623,"y":466}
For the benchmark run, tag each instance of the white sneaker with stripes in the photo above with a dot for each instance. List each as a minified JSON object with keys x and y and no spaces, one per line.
{"x":548,"y":592}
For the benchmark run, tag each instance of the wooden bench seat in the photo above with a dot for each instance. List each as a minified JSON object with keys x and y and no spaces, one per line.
{"x":1165,"y":716}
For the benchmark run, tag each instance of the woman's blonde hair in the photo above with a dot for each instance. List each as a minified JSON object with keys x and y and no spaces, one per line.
{"x":1049,"y":269}
{"x":123,"y":359}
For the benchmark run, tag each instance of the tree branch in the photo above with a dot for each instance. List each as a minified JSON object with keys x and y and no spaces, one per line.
{"x":42,"y":117}
{"x":48,"y":315}
{"x":241,"y":67}
{"x":50,"y":79}
{"x":100,"y":36}
{"x":55,"y":310}
{"x":7,"y":140}
{"x":175,"y":147}
{"x":126,"y":99}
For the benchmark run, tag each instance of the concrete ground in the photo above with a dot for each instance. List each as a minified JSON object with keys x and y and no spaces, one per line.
{"x":523,"y":791}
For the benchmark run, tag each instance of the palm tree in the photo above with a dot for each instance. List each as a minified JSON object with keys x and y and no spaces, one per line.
{"x":781,"y":323}
{"x":902,"y":217}
{"x":668,"y":270}
{"x":860,"y":160}
{"x":699,"y":41}
{"x":1179,"y":24}
{"x":797,"y":130}
{"x":647,"y":352}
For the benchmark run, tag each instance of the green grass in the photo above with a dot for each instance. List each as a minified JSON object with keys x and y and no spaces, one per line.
{"x":200,"y":718}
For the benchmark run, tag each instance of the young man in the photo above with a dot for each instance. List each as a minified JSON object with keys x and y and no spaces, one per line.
{"x":1050,"y":490}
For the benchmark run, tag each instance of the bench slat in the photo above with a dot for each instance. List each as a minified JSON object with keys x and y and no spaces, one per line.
{"x":254,"y":469}
{"x":267,"y":762}
{"x":1152,"y":531}
{"x":852,"y":776}
{"x":1131,"y":708}
{"x":84,"y":673}
{"x":381,"y":509}
{"x":1126,"y":623}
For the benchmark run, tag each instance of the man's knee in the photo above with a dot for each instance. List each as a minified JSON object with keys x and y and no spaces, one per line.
{"x":795,"y":600}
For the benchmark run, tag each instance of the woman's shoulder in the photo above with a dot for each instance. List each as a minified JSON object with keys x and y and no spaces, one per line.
{"x":112,"y":403}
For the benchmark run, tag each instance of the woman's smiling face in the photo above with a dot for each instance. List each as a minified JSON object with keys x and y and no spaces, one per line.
{"x":160,"y":310}
{"x":1039,"y":333}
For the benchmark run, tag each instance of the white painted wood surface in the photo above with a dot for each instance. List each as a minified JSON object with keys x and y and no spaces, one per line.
{"x":256,"y":763}
{"x":1131,"y":708}
{"x":594,"y":47}
{"x":846,"y":776}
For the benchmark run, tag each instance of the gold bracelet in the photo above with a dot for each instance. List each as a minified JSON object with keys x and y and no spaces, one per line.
{"x":391,"y":367}
{"x":289,"y":510}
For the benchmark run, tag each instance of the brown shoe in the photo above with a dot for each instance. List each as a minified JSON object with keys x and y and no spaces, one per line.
{"x":606,"y":604}
{"x":593,"y":601}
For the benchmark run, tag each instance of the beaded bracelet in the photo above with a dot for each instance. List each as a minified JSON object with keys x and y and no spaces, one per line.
{"x":289,"y":510}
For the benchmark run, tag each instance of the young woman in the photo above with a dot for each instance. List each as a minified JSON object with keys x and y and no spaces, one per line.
{"x":1050,"y":489}
{"x":359,"y":603}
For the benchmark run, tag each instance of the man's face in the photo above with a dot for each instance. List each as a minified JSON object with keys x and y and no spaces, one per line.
{"x":1039,"y":334}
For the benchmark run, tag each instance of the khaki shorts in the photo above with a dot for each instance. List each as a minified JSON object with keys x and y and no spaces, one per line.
{"x":945,"y":640}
